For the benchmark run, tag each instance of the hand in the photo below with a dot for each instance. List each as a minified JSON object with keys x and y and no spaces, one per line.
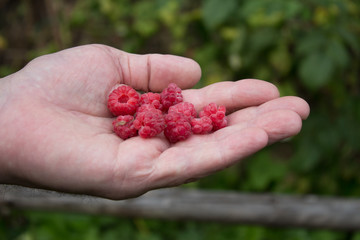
{"x":56,"y":130}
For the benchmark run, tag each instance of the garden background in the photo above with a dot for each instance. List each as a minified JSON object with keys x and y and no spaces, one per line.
{"x":307,"y":48}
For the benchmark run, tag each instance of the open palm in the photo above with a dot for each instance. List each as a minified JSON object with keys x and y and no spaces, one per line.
{"x":57,"y":133}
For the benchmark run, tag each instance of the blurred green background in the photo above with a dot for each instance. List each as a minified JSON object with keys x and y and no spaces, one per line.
{"x":307,"y":48}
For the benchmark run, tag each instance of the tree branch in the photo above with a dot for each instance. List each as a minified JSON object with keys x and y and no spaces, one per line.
{"x":181,"y":204}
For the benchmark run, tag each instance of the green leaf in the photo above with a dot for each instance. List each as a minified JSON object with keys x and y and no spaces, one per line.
{"x":316,"y":70}
{"x":263,"y":38}
{"x":356,"y":236}
{"x":308,"y":153}
{"x":6,"y":70}
{"x":145,"y":18}
{"x":292,"y":8}
{"x":325,"y":235}
{"x":350,"y":38}
{"x":216,"y":12}
{"x":254,"y":233}
{"x":311,"y":42}
{"x":338,"y":53}
{"x":263,"y":170}
{"x":280,"y":59}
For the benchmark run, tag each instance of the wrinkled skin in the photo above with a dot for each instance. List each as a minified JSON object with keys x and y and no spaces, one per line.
{"x":56,"y":130}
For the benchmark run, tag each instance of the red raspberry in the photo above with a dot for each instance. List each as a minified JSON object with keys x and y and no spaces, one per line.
{"x":150,"y":122}
{"x":151,"y":98}
{"x":124,"y":100}
{"x":201,"y":125}
{"x":171,"y":96}
{"x":123,"y":126}
{"x":178,"y":127}
{"x":185,"y":108}
{"x":216,"y":114}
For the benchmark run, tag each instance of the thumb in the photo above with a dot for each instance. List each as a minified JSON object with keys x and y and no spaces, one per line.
{"x":153,"y":72}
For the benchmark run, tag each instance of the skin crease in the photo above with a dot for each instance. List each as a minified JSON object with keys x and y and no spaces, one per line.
{"x":56,"y":129}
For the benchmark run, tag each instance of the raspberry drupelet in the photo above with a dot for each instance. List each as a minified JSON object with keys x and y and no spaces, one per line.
{"x":123,"y":100}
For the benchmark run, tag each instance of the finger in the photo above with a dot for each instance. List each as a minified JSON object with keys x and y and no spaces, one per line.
{"x":278,"y":124}
{"x":295,"y":104}
{"x":206,"y":154}
{"x":154,"y":72}
{"x":233,"y":95}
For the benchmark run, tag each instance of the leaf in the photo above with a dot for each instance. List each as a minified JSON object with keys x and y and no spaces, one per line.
{"x":311,"y":42}
{"x":263,"y":170}
{"x":316,"y":70}
{"x":3,"y":42}
{"x":145,"y":18}
{"x":307,"y":158}
{"x":280,"y":59}
{"x":308,"y":153}
{"x":338,"y":53}
{"x":254,"y":233}
{"x":356,"y":236}
{"x":350,"y":38}
{"x":263,"y":38}
{"x":325,"y":235}
{"x":292,"y":9}
{"x":216,"y":12}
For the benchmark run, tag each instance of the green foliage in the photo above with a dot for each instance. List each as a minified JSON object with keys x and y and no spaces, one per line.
{"x":306,"y":48}
{"x":216,"y":12}
{"x":262,"y":171}
{"x":316,"y":70}
{"x":59,"y":226}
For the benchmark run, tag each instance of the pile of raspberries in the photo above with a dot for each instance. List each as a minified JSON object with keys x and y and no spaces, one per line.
{"x":150,"y":113}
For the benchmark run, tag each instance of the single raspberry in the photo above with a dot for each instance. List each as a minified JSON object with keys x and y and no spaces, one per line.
{"x":171,"y":96}
{"x":178,"y":127}
{"x":124,"y":100}
{"x":201,"y":125}
{"x":151,"y":98}
{"x":149,"y":122}
{"x":123,"y":126}
{"x":216,"y":114}
{"x":185,"y":108}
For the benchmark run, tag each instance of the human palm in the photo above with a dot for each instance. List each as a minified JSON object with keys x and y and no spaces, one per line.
{"x":57,"y":132}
